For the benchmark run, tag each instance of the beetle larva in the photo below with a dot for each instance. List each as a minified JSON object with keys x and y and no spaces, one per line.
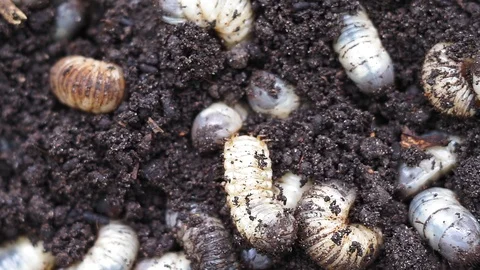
{"x":255,"y":260}
{"x":70,"y":17}
{"x":87,"y":84}
{"x":258,"y":215}
{"x":448,"y":227}
{"x":214,"y":124}
{"x":116,"y":248}
{"x":23,"y":255}
{"x":270,"y":95}
{"x":231,"y":19}
{"x":362,"y":54}
{"x":11,"y":13}
{"x":205,"y":240}
{"x":290,"y":187}
{"x":325,"y":234}
{"x":446,"y":85}
{"x":413,"y":179}
{"x":169,"y":260}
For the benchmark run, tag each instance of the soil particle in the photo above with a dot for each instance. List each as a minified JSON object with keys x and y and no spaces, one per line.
{"x":64,"y":172}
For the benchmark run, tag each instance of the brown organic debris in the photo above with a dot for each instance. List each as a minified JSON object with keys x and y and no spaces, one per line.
{"x":11,"y":13}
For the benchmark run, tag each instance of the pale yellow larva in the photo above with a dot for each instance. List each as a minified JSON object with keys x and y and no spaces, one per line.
{"x":325,"y":234}
{"x":116,"y":248}
{"x":169,"y":261}
{"x":258,"y":215}
{"x":23,"y":255}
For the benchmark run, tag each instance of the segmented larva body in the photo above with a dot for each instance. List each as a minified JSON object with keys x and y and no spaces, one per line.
{"x":23,"y":255}
{"x":445,"y":86}
{"x":205,"y":240}
{"x":255,"y":260}
{"x":325,"y":234}
{"x":215,"y":124}
{"x":231,"y":19}
{"x":362,"y":54}
{"x":169,"y":261}
{"x":271,"y":95}
{"x":258,"y":215}
{"x":290,"y":187}
{"x":411,"y":180}
{"x":116,"y":248}
{"x":448,"y":227}
{"x":87,"y":84}
{"x":11,"y":13}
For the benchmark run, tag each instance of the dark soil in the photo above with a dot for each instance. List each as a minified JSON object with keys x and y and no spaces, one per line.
{"x":63,"y":172}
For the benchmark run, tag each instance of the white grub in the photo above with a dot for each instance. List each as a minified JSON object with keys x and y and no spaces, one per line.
{"x":116,"y":248}
{"x":445,"y":85}
{"x":448,"y":227}
{"x":271,"y":95}
{"x":291,"y":189}
{"x":169,"y":261}
{"x":69,"y":18}
{"x":206,"y":242}
{"x":324,"y":231}
{"x":23,"y":255}
{"x":255,"y":260}
{"x":231,"y":19}
{"x":215,"y":124}
{"x":443,"y":159}
{"x":11,"y":13}
{"x":258,"y":215}
{"x":362,"y":55}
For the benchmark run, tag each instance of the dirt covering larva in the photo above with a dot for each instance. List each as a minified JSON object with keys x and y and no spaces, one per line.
{"x":169,"y":260}
{"x":116,"y":248}
{"x":259,"y":217}
{"x":448,"y":227}
{"x":325,"y":234}
{"x":23,"y":255}
{"x":231,"y":19}
{"x":362,"y":55}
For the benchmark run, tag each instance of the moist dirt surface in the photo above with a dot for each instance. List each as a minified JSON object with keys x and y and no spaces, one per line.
{"x":64,"y":172}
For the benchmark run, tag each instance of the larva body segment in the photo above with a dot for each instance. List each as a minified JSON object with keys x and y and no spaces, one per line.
{"x":291,"y":188}
{"x":87,"y":84}
{"x":23,"y":255}
{"x":258,"y":215}
{"x":362,"y":55}
{"x":255,"y":260}
{"x":448,"y":227}
{"x":231,"y":19}
{"x":413,"y":179}
{"x":169,"y":261}
{"x":206,"y":242}
{"x":325,"y":234}
{"x":271,"y":95}
{"x":116,"y":248}
{"x":215,"y":124}
{"x":445,"y":86}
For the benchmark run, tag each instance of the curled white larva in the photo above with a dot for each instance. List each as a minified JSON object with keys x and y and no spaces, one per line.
{"x":255,"y":260}
{"x":448,"y":227}
{"x":169,"y":261}
{"x":205,"y":240}
{"x":69,"y":18}
{"x":325,"y":234}
{"x":214,"y":124}
{"x":362,"y":54}
{"x":116,"y":248}
{"x":291,"y":189}
{"x":445,"y":85}
{"x":443,"y":159}
{"x":23,"y":255}
{"x":231,"y":19}
{"x":258,"y":215}
{"x":269,"y":94}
